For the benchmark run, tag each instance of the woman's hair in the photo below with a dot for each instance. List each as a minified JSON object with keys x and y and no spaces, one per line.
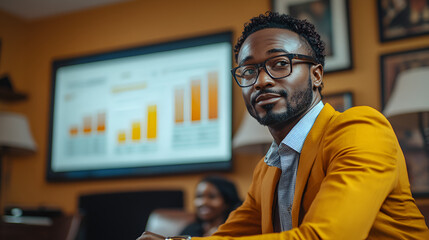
{"x":228,"y":191}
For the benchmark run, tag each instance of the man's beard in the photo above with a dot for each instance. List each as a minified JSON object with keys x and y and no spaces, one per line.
{"x":298,"y":103}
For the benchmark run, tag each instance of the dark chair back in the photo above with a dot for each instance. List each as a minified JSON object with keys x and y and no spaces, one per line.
{"x":122,"y":215}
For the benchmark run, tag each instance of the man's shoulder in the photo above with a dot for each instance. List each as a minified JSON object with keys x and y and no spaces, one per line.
{"x":362,"y":110}
{"x":358,"y":112}
{"x":356,"y":119}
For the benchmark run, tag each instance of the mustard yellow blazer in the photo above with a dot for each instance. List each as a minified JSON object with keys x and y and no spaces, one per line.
{"x":352,"y":183}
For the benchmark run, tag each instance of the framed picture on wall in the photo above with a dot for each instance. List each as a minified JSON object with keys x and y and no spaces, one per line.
{"x":402,"y":19}
{"x":411,"y":141}
{"x":339,"y":101}
{"x":392,"y":64}
{"x":331,"y":19}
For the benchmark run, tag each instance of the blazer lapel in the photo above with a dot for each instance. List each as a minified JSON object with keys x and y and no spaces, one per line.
{"x":268,"y":190}
{"x":306,"y":160}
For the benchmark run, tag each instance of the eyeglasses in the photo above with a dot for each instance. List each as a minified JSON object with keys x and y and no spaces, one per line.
{"x":277,"y":67}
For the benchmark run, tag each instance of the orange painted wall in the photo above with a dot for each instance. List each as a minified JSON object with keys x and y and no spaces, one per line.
{"x":30,"y":46}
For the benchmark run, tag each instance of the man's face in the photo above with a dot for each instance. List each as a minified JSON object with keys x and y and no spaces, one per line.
{"x":279,"y":101}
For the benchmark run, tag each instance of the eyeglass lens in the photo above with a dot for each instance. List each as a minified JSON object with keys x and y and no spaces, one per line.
{"x":276,"y":67}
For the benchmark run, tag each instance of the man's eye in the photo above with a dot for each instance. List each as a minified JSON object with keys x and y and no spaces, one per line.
{"x":281,"y":63}
{"x":248,"y":72}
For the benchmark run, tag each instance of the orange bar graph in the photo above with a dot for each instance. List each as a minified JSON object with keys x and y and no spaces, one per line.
{"x":213,"y":95}
{"x":87,"y":125}
{"x":121,"y":137}
{"x":136,"y":131}
{"x":178,"y":105}
{"x":195,"y":100}
{"x":73,"y":131}
{"x":101,"y":122}
{"x":151,"y":122}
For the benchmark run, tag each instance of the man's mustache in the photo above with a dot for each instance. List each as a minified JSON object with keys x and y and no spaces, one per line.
{"x":282,"y":93}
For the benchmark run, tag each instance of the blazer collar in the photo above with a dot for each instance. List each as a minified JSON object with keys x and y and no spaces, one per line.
{"x":268,"y":190}
{"x":308,"y":155}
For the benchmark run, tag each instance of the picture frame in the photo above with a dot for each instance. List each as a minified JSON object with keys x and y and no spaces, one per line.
{"x":411,"y":141}
{"x":392,"y":64}
{"x":331,"y":20}
{"x":402,"y":19}
{"x":339,"y":101}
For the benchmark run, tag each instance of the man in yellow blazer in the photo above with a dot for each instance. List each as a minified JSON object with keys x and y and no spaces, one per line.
{"x":327,"y":175}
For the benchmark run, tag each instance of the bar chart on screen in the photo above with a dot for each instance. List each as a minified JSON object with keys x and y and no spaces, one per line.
{"x":137,"y":130}
{"x":196,"y":122}
{"x":167,"y":108}
{"x":87,"y":137}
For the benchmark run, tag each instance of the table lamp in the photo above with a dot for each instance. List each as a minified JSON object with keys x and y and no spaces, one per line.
{"x":408,"y":106}
{"x":15,"y":138}
{"x":251,"y":137}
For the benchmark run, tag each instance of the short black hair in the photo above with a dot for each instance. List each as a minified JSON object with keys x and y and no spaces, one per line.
{"x":275,"y":20}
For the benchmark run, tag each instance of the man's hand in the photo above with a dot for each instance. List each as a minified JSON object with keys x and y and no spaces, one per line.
{"x":150,"y":236}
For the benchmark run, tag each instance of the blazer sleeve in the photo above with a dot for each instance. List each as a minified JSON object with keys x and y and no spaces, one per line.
{"x":360,"y":153}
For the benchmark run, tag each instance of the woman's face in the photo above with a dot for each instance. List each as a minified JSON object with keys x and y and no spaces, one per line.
{"x":209,"y":202}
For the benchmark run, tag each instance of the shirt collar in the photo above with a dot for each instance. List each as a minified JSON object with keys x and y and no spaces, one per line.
{"x":296,"y":137}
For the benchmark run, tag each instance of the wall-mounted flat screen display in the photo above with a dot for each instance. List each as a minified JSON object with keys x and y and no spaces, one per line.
{"x":158,"y":109}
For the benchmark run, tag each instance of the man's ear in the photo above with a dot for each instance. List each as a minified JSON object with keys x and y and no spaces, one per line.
{"x":317,"y":76}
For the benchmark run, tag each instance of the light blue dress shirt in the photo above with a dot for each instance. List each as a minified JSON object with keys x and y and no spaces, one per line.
{"x":286,"y":157}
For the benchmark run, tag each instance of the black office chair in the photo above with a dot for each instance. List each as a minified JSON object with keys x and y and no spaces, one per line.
{"x":122,"y":215}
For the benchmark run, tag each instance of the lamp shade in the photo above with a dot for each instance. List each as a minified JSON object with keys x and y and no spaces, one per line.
{"x":251,"y":137}
{"x":15,"y":135}
{"x":409,"y":97}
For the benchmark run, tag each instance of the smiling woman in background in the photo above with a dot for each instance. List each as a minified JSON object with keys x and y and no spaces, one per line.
{"x":215,"y":198}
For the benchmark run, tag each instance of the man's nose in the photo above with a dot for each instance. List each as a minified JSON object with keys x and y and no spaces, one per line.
{"x":263,"y":80}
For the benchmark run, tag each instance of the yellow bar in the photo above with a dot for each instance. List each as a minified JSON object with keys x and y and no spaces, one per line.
{"x":73,"y":131}
{"x":121,"y":137}
{"x":213,"y":95}
{"x":151,"y":122}
{"x":131,"y":87}
{"x":178,"y":105}
{"x":135,"y":131}
{"x":196,"y":100}
{"x":101,"y":122}
{"x":87,"y":122}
